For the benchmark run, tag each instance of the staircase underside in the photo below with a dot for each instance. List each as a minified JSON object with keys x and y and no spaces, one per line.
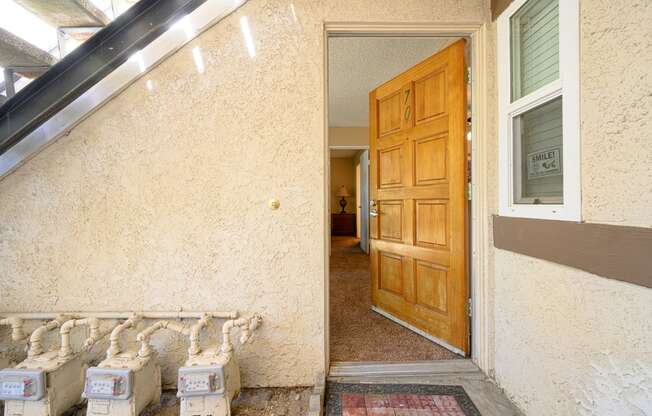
{"x":16,"y":52}
{"x":66,"y":13}
{"x":84,"y":67}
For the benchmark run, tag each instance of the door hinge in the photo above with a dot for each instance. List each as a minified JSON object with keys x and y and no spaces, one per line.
{"x":469,"y":307}
{"x":467,"y":75}
{"x":469,"y":191}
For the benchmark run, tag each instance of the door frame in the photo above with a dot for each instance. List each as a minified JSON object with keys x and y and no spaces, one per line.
{"x":328,"y":173}
{"x":481,"y":317}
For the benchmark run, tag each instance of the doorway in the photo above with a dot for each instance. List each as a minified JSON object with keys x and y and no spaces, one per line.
{"x":359,"y":331}
{"x":349,"y":185}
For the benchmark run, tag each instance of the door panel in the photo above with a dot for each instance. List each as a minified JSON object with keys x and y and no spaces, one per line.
{"x":431,"y":223}
{"x":391,"y":222}
{"x":389,"y":114}
{"x":391,"y":273}
{"x":390,"y":170}
{"x":430,"y":96}
{"x":430,"y":160}
{"x":418,"y":191}
{"x":431,"y":286}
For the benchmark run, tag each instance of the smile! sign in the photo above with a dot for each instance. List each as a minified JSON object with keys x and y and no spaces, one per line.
{"x":544,"y":163}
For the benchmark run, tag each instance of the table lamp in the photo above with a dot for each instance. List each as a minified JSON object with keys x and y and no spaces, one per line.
{"x":343,"y":193}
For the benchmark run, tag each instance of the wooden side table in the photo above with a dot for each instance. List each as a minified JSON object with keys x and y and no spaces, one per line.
{"x":343,"y":224}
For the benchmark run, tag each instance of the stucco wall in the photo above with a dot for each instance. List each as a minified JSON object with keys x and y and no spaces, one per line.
{"x":158,"y":200}
{"x":569,"y":342}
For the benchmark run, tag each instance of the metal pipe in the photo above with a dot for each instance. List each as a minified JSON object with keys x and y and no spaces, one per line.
{"x":114,"y":348}
{"x":65,"y":351}
{"x":17,"y":332}
{"x":10,"y":89}
{"x":195,"y":331}
{"x":123,"y":315}
{"x":248,"y":327}
{"x":144,"y":336}
{"x":36,"y":339}
{"x":248,"y":331}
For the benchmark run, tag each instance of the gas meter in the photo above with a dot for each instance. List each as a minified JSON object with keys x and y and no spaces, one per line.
{"x":127,"y":382}
{"x":42,"y":386}
{"x":47,"y":383}
{"x":22,"y":384}
{"x":123,"y":385}
{"x":210,"y":380}
{"x":209,"y":386}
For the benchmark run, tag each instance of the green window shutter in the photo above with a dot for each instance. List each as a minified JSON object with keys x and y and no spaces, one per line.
{"x":535,"y":46}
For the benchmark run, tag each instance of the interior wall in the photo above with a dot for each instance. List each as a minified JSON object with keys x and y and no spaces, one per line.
{"x":569,"y":342}
{"x":348,"y":136}
{"x":343,"y":173}
{"x":158,"y":200}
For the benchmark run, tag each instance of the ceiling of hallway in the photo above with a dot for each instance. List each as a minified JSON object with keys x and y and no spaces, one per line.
{"x":344,"y":153}
{"x":357,"y":65}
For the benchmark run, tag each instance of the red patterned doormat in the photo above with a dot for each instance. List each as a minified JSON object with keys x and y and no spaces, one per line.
{"x":397,"y":400}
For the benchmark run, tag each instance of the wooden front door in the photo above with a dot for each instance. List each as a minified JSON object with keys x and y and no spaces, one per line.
{"x":417,"y":127}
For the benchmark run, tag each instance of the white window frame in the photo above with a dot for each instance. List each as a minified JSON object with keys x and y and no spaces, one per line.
{"x":567,"y":87}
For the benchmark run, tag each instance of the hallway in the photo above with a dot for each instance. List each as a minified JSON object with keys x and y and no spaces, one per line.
{"x":356,"y":332}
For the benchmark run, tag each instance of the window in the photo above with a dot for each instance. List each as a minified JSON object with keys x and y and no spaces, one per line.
{"x":538,"y":64}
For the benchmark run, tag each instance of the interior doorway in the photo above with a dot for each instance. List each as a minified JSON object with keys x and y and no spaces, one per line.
{"x":349,"y":185}
{"x":358,"y":332}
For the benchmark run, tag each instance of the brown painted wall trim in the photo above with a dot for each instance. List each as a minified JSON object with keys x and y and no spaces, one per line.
{"x":498,"y":6}
{"x":612,"y":251}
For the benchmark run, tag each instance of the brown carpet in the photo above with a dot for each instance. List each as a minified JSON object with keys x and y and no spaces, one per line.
{"x":356,"y":332}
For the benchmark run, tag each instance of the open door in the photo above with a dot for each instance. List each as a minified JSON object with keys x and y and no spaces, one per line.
{"x":363,"y":190}
{"x":417,"y":127}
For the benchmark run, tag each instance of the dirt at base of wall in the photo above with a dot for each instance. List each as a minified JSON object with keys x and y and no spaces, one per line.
{"x":292,"y":401}
{"x":274,"y":401}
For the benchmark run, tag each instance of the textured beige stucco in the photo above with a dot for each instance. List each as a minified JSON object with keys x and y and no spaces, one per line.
{"x":569,"y":342}
{"x":617,"y":112}
{"x":158,"y":200}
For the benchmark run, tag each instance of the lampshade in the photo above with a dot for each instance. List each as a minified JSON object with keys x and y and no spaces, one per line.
{"x":343,"y":192}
